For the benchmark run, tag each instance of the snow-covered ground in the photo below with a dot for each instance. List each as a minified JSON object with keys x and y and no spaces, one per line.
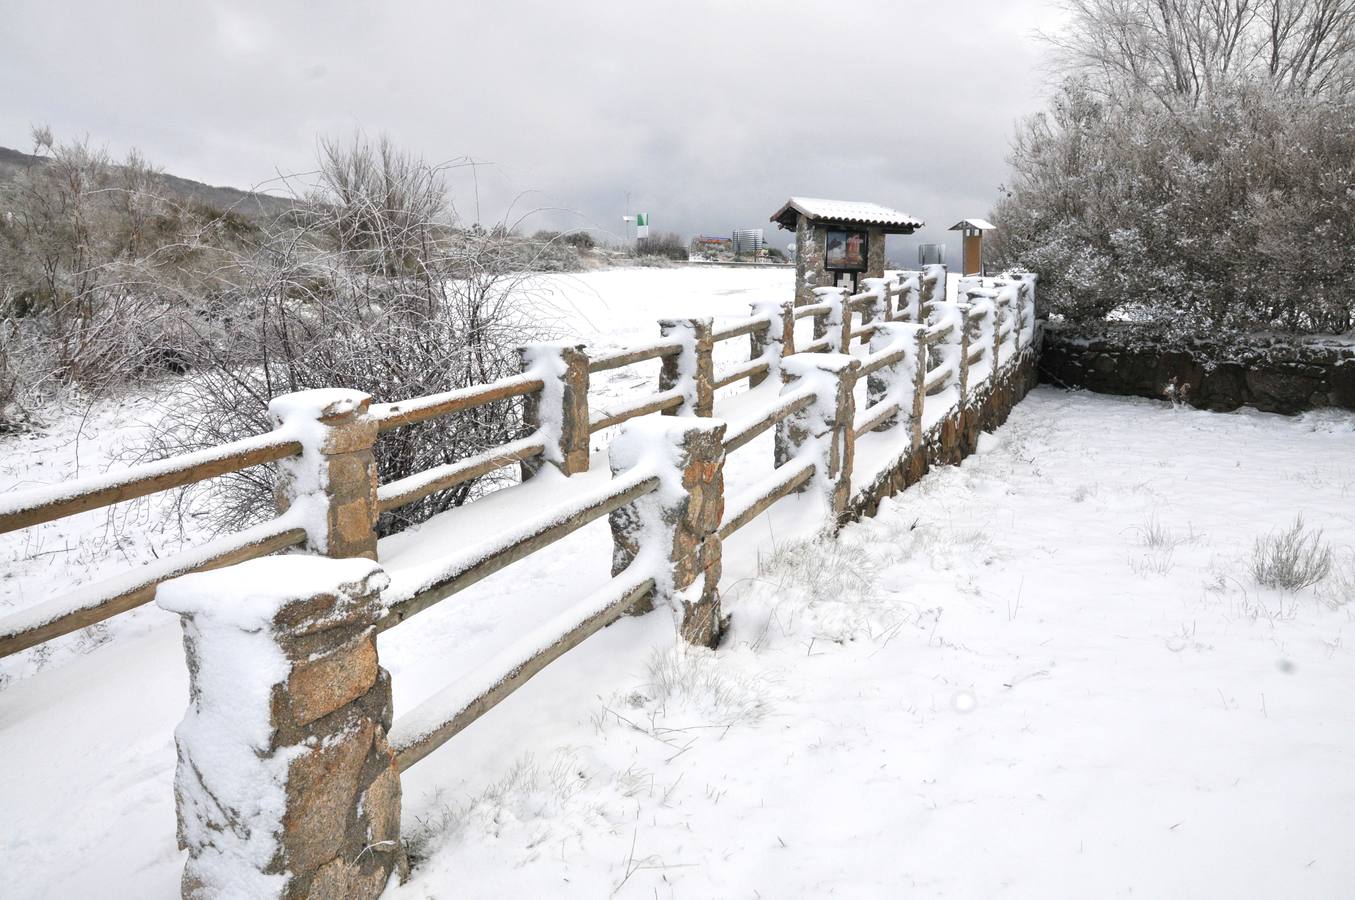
{"x":1044,"y":673}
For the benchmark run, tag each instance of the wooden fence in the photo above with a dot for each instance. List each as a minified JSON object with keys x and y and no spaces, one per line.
{"x":935,"y":373}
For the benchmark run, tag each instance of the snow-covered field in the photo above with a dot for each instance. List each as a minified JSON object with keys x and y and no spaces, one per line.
{"x":1045,"y":673}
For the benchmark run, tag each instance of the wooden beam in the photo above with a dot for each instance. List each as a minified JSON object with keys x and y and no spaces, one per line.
{"x":136,"y":588}
{"x":757,"y":323}
{"x":667,"y":400}
{"x":766,"y":498}
{"x":544,"y":534}
{"x":621,"y":358}
{"x":754,"y":367}
{"x":421,"y":409}
{"x":33,"y":507}
{"x":738,"y":439}
{"x":419,"y":485}
{"x":408,"y":752}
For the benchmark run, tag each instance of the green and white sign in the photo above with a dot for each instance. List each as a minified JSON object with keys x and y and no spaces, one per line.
{"x":642,"y":225}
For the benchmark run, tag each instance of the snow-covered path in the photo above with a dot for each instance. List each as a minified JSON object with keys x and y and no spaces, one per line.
{"x":1046,"y":673}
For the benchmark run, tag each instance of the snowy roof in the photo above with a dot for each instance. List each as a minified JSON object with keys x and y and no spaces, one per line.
{"x":846,"y":212}
{"x":980,"y":224}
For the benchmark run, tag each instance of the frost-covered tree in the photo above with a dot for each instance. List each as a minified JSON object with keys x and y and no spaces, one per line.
{"x":94,"y":263}
{"x":1198,"y":169}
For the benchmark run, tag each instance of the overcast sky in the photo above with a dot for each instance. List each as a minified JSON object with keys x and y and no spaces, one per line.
{"x":710,"y":114}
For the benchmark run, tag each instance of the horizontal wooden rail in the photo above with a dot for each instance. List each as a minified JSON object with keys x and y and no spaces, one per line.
{"x":880,"y":360}
{"x":822,"y":308}
{"x":35,"y":506}
{"x":976,"y":352}
{"x":873,"y":416}
{"x":421,"y":409}
{"x":937,"y":335}
{"x":937,"y":378}
{"x":93,"y":603}
{"x":618,"y":358}
{"x":748,"y":369}
{"x":786,"y":406}
{"x":763,"y":494}
{"x":658,"y":403}
{"x":517,"y":545}
{"x":439,"y":478}
{"x":438,"y":720}
{"x":748,"y":326}
{"x":864,"y":331}
{"x":823,"y":343}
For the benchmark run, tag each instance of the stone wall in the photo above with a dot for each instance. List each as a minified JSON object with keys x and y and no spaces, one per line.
{"x":953,"y":438}
{"x":1282,"y":375}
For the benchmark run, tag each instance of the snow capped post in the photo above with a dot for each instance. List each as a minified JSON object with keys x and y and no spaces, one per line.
{"x":776,"y":341}
{"x":673,"y":532}
{"x":560,"y":409}
{"x":897,"y":382}
{"x":910,"y":305}
{"x":691,"y":370}
{"x":955,"y":345}
{"x":1000,"y":314}
{"x":837,"y":324}
{"x":932,"y":283}
{"x":336,"y":472}
{"x":824,"y":429}
{"x":878,"y":310}
{"x":285,"y":786}
{"x":922,"y":362}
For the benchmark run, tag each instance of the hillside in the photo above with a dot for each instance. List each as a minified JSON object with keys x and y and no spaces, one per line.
{"x":247,"y":203}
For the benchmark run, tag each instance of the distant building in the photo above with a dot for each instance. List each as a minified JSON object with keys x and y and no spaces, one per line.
{"x":748,"y":242}
{"x":713,"y":247}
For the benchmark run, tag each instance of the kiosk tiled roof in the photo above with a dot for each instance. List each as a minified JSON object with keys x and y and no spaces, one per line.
{"x":847,"y":212}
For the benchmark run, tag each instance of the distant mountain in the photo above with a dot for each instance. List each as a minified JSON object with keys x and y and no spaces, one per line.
{"x":246,"y":203}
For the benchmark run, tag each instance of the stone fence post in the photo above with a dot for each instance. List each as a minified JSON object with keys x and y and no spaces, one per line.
{"x":336,"y":470}
{"x":286,"y":786}
{"x":775,"y":342}
{"x":837,"y":325}
{"x":825,"y":428}
{"x":692,"y":369}
{"x":922,"y":355}
{"x":936,"y":293}
{"x":878,"y":310}
{"x":956,"y":344}
{"x":897,"y":383}
{"x":560,"y":409}
{"x":675,"y":530}
{"x":999,"y":317}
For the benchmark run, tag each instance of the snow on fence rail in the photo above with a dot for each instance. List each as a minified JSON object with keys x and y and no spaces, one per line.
{"x":934,"y":373}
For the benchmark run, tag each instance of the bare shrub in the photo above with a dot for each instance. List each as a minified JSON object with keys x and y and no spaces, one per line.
{"x":368,"y":285}
{"x":697,"y":679}
{"x":666,"y":245}
{"x":1292,"y":558}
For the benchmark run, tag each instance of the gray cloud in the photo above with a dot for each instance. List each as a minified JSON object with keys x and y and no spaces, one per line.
{"x":709,"y":113}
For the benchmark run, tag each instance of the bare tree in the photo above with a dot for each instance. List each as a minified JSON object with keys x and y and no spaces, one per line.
{"x":1185,"y":49}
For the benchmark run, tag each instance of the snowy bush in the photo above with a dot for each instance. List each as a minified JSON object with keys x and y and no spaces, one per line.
{"x":98,"y":274}
{"x":366,"y":286}
{"x":1193,"y":169}
{"x":1291,"y":558}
